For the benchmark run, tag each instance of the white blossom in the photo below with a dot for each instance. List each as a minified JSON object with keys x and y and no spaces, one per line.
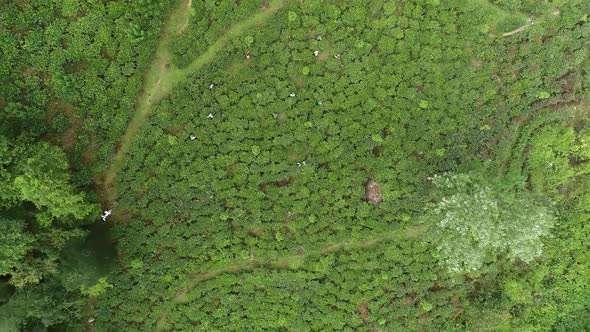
{"x":478,"y":220}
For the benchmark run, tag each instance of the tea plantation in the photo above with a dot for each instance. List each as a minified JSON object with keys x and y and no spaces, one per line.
{"x":282,"y":165}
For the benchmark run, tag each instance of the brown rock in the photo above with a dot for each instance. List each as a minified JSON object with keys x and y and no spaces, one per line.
{"x":373,"y":193}
{"x":363,"y":310}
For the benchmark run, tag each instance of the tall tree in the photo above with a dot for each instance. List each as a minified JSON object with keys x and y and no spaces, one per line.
{"x":41,"y":211}
{"x":476,"y":218}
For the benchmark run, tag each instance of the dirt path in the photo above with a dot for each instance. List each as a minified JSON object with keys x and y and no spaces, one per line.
{"x":188,"y":15}
{"x":531,"y":20}
{"x":289,"y":262}
{"x":161,"y":78}
{"x":520,"y":29}
{"x":155,"y":75}
{"x":178,"y":76}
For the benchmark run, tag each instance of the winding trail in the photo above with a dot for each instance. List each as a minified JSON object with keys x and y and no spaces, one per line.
{"x":520,"y":29}
{"x":531,"y":21}
{"x":290,"y":262}
{"x":156,"y":75}
{"x":188,"y":11}
{"x":161,"y":78}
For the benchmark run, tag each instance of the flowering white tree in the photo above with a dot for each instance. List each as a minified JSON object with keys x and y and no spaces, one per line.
{"x":475,"y":218}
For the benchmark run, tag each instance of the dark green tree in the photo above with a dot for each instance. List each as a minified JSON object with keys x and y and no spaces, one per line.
{"x":41,"y":211}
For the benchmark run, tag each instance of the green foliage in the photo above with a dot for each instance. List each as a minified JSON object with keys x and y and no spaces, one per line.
{"x":15,"y":243}
{"x":66,"y":87}
{"x":44,"y":181}
{"x":17,"y":118}
{"x":40,"y":306}
{"x":255,"y":150}
{"x":210,"y":20}
{"x":136,"y":33}
{"x":548,"y":160}
{"x":70,"y":8}
{"x":68,"y":77}
{"x":261,"y":223}
{"x":98,"y":289}
{"x":42,"y":210}
{"x":149,"y":8}
{"x":75,"y":59}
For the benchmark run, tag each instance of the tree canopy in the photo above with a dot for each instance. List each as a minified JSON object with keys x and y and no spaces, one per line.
{"x":478,"y":218}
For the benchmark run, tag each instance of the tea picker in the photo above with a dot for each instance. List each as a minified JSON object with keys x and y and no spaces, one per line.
{"x":106,"y":214}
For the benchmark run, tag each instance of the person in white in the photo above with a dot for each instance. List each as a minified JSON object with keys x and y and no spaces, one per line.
{"x":106,"y":214}
{"x":316,"y":53}
{"x":210,"y":116}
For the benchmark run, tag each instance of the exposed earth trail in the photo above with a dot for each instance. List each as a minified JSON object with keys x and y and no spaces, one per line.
{"x":156,"y":74}
{"x":289,"y":262}
{"x":162,"y":77}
